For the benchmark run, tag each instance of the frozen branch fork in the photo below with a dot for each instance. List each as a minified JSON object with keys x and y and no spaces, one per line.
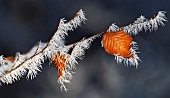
{"x":116,"y":41}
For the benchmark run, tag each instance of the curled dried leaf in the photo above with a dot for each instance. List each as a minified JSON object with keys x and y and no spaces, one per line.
{"x":60,"y":63}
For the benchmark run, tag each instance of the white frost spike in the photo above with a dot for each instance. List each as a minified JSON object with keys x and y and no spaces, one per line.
{"x":144,"y":24}
{"x":130,"y":61}
{"x":141,"y":19}
{"x":113,"y":28}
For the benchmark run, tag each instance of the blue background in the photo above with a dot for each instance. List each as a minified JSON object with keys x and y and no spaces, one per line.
{"x":25,"y":22}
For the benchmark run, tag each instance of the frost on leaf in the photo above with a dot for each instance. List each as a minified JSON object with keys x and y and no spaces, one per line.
{"x":121,"y":46}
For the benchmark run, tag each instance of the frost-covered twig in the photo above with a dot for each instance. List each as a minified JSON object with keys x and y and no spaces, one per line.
{"x":144,"y":24}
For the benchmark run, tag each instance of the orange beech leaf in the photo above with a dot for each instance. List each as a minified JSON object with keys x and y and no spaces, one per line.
{"x":59,"y":62}
{"x":118,"y":43}
{"x":10,"y":58}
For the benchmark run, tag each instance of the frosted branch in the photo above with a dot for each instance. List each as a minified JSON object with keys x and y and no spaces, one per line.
{"x":58,"y":53}
{"x":30,"y":63}
{"x":144,"y":24}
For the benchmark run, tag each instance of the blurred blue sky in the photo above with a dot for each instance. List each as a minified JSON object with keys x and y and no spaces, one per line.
{"x":25,"y":22}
